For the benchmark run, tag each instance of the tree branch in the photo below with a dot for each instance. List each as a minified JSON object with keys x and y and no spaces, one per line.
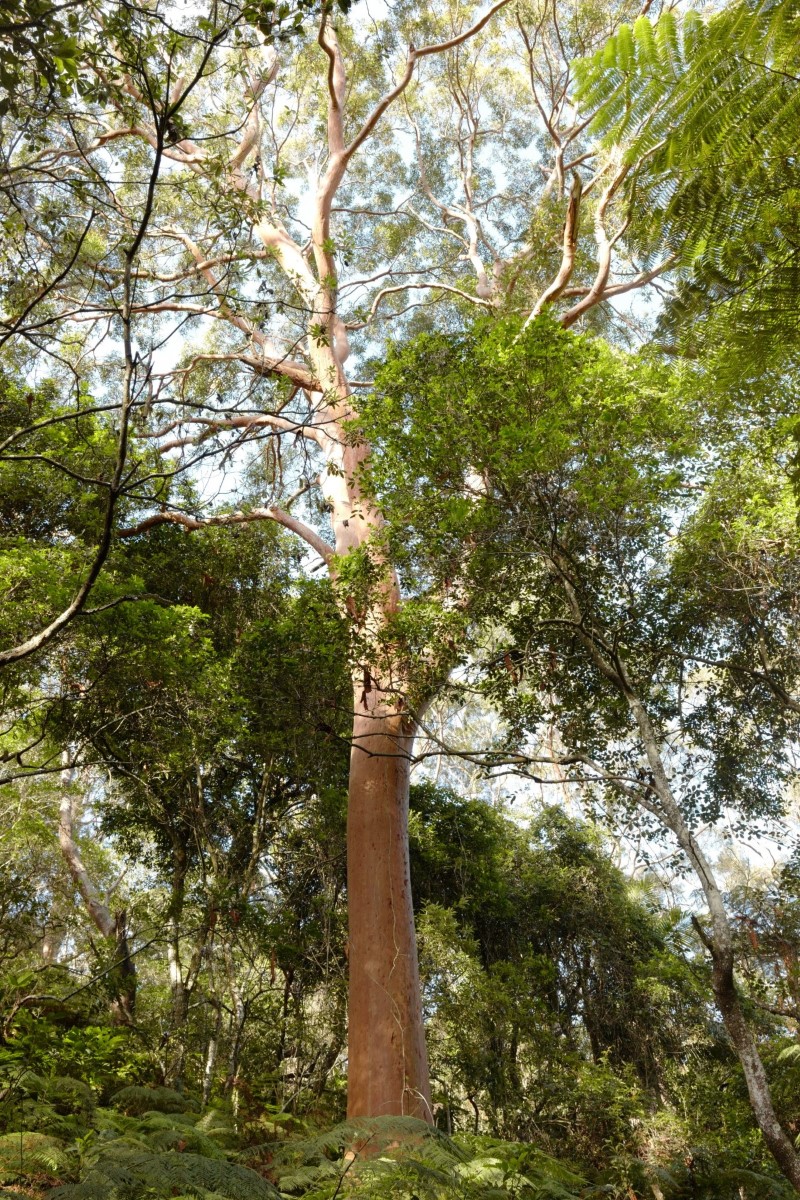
{"x":98,"y":911}
{"x":273,"y":513}
{"x":569,"y":248}
{"x":413,"y":55}
{"x":605,"y":247}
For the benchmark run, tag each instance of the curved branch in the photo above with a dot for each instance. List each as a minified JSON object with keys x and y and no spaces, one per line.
{"x":605,"y":247}
{"x":115,"y":488}
{"x":273,"y":513}
{"x":414,"y":54}
{"x":14,"y":326}
{"x":214,"y":424}
{"x":569,"y":248}
{"x":98,"y":911}
{"x":262,"y":364}
{"x":404,"y":287}
{"x":628,"y":285}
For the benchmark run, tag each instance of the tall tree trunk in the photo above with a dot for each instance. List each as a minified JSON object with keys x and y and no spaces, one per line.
{"x":113,"y":928}
{"x":288,"y":980}
{"x":387,"y":1061}
{"x":123,"y":977}
{"x":238,"y":1019}
{"x":720,"y":946}
{"x":387,"y":1058}
{"x":758,"y":1089}
{"x":658,"y":798}
{"x":211,"y":1054}
{"x":177,"y":1032}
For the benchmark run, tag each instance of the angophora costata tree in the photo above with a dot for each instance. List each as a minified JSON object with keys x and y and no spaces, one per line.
{"x":304,"y":199}
{"x":635,"y":561}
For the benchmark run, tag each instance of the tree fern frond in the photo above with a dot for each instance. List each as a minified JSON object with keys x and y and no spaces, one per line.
{"x":709,"y":122}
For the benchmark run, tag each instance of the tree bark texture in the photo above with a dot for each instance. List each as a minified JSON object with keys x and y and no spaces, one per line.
{"x":387,"y":1061}
{"x":211,"y":1054}
{"x":758,"y":1088}
{"x":121,"y":979}
{"x":659,"y":800}
{"x":721,"y":948}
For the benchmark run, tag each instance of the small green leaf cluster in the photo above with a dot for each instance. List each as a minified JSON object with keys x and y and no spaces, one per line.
{"x":278,"y":20}
{"x":40,"y":49}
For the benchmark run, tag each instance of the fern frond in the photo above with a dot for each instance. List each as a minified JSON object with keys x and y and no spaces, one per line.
{"x":397,"y":1156}
{"x":135,"y":1100}
{"x":128,"y":1174}
{"x":31,"y":1154}
{"x":707,"y":112}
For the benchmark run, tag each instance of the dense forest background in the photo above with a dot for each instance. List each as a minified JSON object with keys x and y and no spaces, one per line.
{"x":399,"y":617}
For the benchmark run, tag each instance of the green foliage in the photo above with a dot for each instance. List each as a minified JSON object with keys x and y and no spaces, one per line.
{"x":578,"y":465}
{"x":710,"y":107}
{"x":136,"y":1100}
{"x":127,"y":1172}
{"x":159,"y":1153}
{"x":25,"y":1156}
{"x":537,"y":952}
{"x":279,"y":21}
{"x":544,"y":494}
{"x":49,"y":1038}
{"x":396,"y":1156}
{"x":50,"y":515}
{"x":546,"y":974}
{"x":450,"y":413}
{"x":39,"y":49}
